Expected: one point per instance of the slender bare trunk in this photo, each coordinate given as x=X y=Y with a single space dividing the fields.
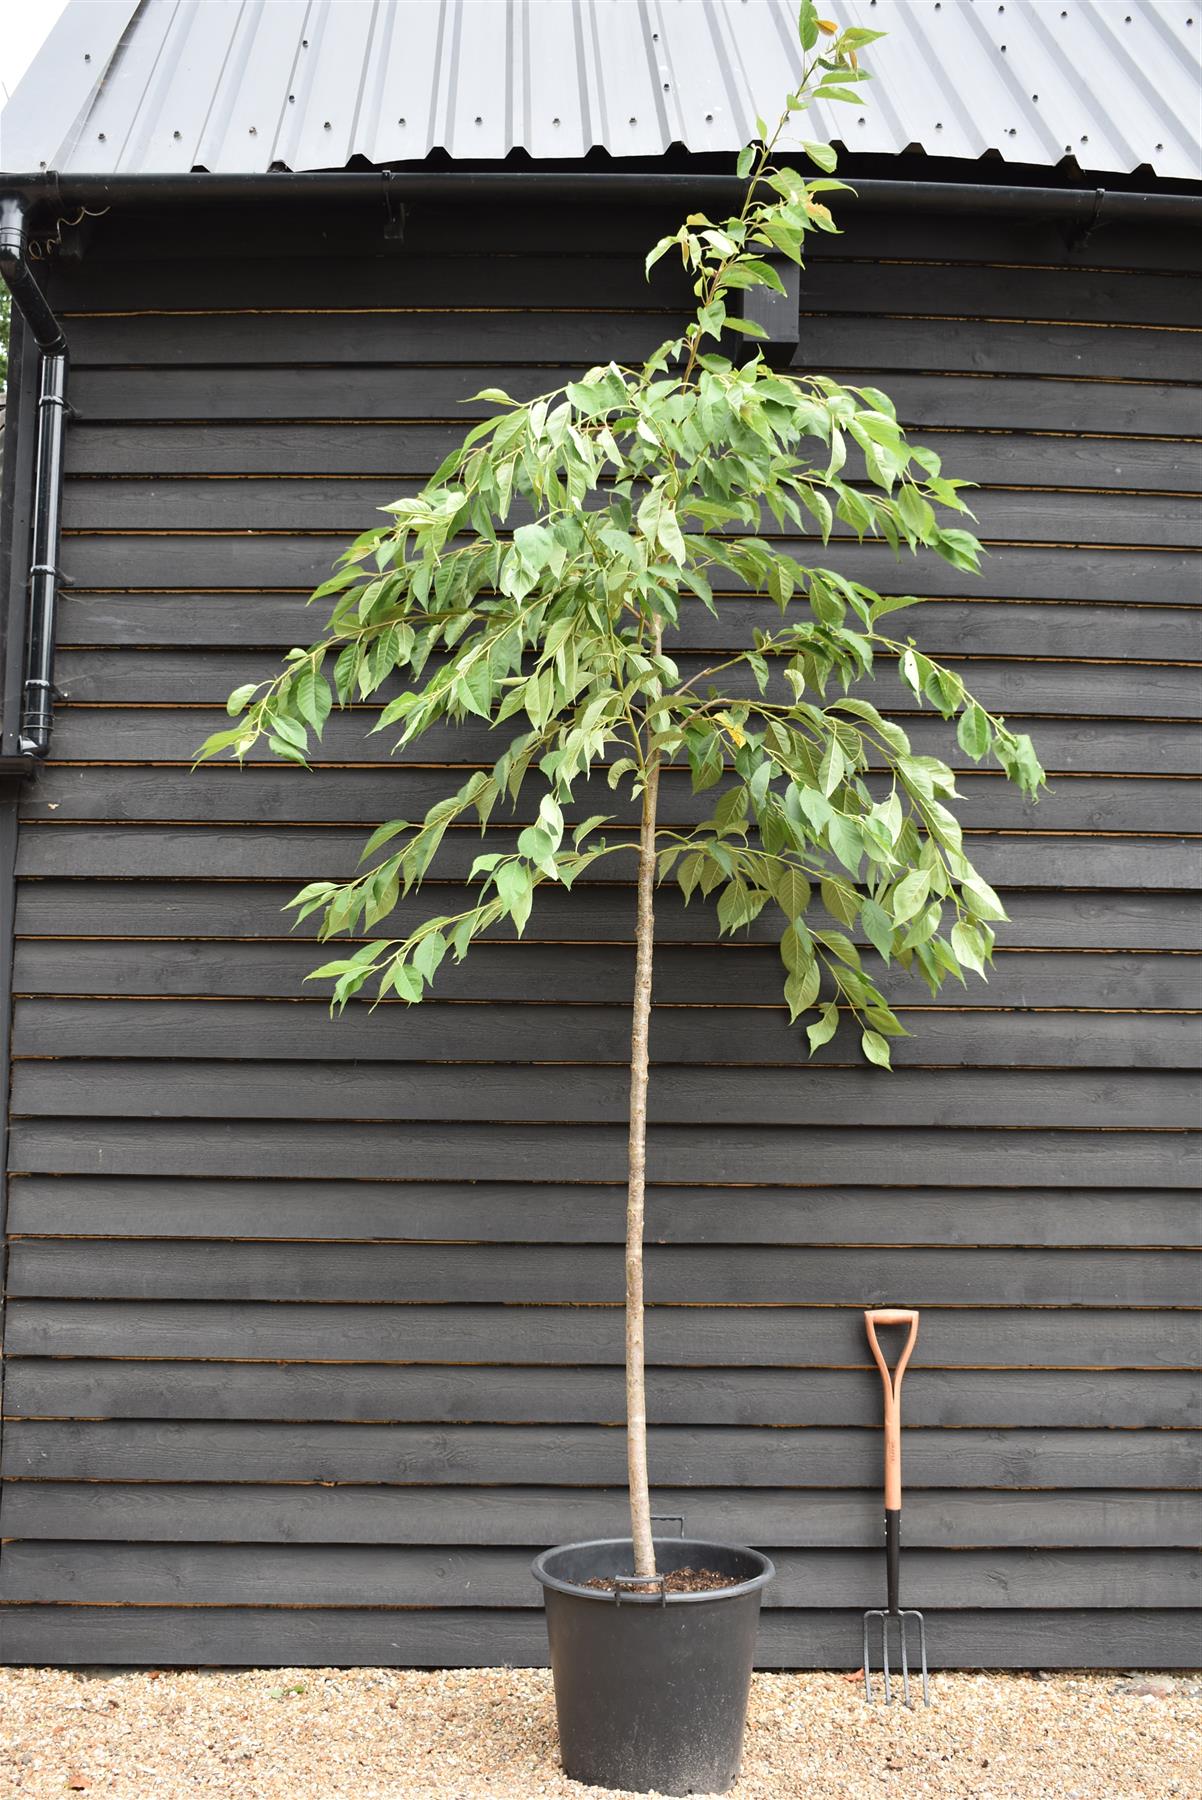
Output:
x=636 y=1389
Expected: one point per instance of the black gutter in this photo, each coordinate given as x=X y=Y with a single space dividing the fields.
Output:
x=37 y=698
x=1085 y=206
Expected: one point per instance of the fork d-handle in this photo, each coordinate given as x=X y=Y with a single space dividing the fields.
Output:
x=891 y=1381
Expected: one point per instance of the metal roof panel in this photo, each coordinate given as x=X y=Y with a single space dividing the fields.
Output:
x=242 y=86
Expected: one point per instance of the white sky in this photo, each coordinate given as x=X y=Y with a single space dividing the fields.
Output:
x=24 y=27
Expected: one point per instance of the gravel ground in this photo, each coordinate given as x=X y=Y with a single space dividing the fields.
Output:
x=489 y=1734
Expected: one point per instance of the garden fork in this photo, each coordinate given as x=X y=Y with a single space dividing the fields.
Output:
x=891 y=1610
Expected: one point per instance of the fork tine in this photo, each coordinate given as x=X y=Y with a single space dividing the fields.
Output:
x=922 y=1644
x=901 y=1632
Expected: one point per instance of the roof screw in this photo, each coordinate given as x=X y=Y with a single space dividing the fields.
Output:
x=253 y=130
x=709 y=118
x=87 y=56
x=100 y=136
x=1034 y=96
x=1085 y=137
x=667 y=85
x=176 y=135
x=292 y=99
x=633 y=121
x=555 y=121
x=479 y=120
x=401 y=121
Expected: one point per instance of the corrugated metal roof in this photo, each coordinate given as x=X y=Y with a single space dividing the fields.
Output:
x=242 y=86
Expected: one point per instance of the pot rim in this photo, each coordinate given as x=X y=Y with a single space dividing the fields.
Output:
x=547 y=1580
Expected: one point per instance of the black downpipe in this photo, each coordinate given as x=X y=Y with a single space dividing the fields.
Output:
x=37 y=701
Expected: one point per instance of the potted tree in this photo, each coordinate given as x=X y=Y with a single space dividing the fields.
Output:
x=538 y=578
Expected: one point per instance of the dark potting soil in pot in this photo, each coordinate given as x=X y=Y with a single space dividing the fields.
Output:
x=679 y=1581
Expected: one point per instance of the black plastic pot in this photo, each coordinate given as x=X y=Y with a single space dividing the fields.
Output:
x=650 y=1689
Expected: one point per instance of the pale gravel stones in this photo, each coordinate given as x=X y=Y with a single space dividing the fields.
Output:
x=489 y=1734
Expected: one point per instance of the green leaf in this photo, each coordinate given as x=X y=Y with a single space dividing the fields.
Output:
x=839 y=902
x=876 y=1049
x=796 y=951
x=831 y=769
x=515 y=886
x=312 y=696
x=406 y=981
x=982 y=899
x=825 y=1027
x=973 y=733
x=288 y=752
x=240 y=698
x=822 y=154
x=220 y=740
x=909 y=895
x=801 y=989
x=792 y=893
x=746 y=159
x=878 y=928
x=969 y=947
x=428 y=953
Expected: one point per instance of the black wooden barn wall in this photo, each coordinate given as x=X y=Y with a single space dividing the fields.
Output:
x=313 y=1327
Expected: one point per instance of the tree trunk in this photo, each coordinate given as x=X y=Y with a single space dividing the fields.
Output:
x=636 y=1390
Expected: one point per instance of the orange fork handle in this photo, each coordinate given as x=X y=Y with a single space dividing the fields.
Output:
x=891 y=1382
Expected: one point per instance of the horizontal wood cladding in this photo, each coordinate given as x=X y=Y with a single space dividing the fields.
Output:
x=380 y=1394
x=598 y=912
x=591 y=1274
x=343 y=508
x=1133 y=1099
x=550 y=278
x=472 y=1636
x=734 y=974
x=734 y=1037
x=314 y=1330
x=349 y=400
x=815 y=1518
x=112 y=454
x=687 y=1456
x=994 y=1336
x=129 y=625
x=365 y=796
x=370 y=1575
x=1097 y=683
x=247 y=561
x=488 y=337
x=613 y=226
x=545 y=1213
x=503 y=1152
x=257 y=849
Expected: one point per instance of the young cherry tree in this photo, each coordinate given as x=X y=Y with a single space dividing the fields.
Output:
x=534 y=582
